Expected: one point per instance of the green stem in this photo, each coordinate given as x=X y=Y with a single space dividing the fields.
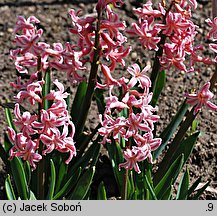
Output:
x=124 y=188
x=91 y=82
x=156 y=65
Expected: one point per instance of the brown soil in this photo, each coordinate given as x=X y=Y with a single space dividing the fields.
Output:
x=54 y=18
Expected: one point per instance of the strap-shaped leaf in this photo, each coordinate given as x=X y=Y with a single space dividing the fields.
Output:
x=7 y=144
x=9 y=189
x=32 y=196
x=52 y=181
x=27 y=170
x=20 y=178
x=183 y=186
x=68 y=185
x=101 y=193
x=167 y=194
x=150 y=188
x=83 y=185
x=3 y=155
x=46 y=88
x=200 y=191
x=62 y=171
x=9 y=119
x=194 y=186
x=170 y=129
x=116 y=157
x=100 y=100
x=78 y=100
x=185 y=148
x=147 y=194
x=170 y=176
x=158 y=87
x=130 y=186
x=91 y=154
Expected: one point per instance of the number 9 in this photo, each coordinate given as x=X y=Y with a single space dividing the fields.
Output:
x=210 y=206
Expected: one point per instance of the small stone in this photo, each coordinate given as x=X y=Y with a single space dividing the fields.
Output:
x=10 y=30
x=134 y=55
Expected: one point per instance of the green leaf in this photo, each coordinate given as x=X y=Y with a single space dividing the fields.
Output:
x=7 y=143
x=68 y=185
x=62 y=171
x=100 y=100
x=170 y=176
x=140 y=183
x=150 y=189
x=27 y=170
x=130 y=186
x=169 y=131
x=52 y=181
x=147 y=194
x=46 y=88
x=159 y=85
x=32 y=196
x=185 y=148
x=101 y=193
x=183 y=186
x=9 y=189
x=78 y=100
x=116 y=157
x=89 y=157
x=83 y=185
x=3 y=155
x=167 y=194
x=200 y=191
x=194 y=186
x=19 y=178
x=9 y=119
x=194 y=125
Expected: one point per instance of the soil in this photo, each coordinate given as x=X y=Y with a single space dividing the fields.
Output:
x=54 y=18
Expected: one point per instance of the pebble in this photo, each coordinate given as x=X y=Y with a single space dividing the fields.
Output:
x=134 y=56
x=10 y=30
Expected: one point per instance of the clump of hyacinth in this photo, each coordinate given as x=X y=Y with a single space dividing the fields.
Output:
x=137 y=127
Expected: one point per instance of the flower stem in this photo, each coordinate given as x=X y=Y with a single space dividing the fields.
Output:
x=92 y=80
x=124 y=188
x=156 y=66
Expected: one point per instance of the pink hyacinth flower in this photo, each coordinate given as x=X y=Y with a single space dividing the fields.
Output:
x=57 y=95
x=23 y=147
x=139 y=76
x=23 y=24
x=133 y=156
x=202 y=98
x=109 y=80
x=31 y=93
x=147 y=10
x=213 y=31
x=24 y=122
